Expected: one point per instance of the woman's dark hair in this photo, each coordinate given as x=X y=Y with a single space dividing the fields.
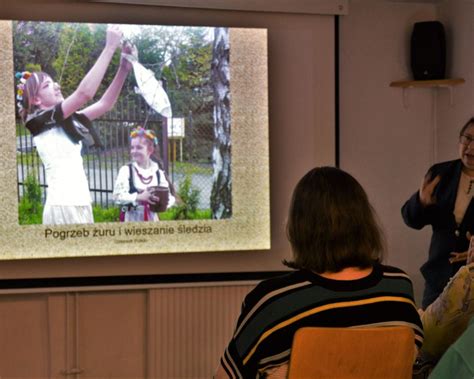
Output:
x=466 y=125
x=331 y=224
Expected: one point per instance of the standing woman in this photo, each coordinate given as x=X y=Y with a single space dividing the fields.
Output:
x=338 y=281
x=444 y=201
x=58 y=127
x=137 y=181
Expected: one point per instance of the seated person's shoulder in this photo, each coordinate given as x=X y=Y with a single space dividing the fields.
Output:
x=279 y=284
x=280 y=280
x=444 y=167
x=393 y=270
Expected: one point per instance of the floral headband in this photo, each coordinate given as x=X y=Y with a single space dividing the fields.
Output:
x=140 y=131
x=20 y=87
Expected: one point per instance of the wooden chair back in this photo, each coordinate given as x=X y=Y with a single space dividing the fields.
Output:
x=350 y=353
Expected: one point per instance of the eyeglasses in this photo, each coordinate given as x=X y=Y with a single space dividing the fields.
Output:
x=466 y=139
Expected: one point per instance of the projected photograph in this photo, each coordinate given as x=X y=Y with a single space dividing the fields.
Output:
x=149 y=141
x=122 y=139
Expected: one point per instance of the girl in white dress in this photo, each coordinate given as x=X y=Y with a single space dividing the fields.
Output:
x=58 y=127
x=135 y=187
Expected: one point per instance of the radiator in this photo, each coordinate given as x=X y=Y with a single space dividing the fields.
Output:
x=126 y=332
x=193 y=326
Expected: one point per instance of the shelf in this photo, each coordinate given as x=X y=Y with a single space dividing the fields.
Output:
x=427 y=83
x=440 y=83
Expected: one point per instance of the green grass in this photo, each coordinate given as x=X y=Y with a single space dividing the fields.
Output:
x=200 y=214
x=21 y=130
x=28 y=159
x=191 y=168
x=30 y=209
x=106 y=214
x=108 y=157
x=28 y=216
x=113 y=214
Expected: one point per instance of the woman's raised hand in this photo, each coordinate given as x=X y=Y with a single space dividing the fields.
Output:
x=129 y=54
x=427 y=188
x=114 y=36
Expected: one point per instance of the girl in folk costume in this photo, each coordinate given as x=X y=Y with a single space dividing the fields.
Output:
x=142 y=187
x=58 y=128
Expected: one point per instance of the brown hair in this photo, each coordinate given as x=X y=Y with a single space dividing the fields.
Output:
x=331 y=224
x=466 y=125
x=31 y=88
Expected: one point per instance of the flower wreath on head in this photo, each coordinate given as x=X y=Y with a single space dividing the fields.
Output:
x=140 y=131
x=20 y=87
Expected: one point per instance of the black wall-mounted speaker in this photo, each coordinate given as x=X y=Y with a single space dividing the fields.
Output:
x=428 y=51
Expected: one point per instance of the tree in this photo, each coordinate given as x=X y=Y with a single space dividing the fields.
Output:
x=79 y=46
x=221 y=195
x=66 y=51
x=181 y=56
x=35 y=44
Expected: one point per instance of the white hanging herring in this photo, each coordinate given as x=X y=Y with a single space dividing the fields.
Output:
x=150 y=88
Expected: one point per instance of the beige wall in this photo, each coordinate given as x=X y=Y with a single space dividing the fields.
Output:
x=388 y=139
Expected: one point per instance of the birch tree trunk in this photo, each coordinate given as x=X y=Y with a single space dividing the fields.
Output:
x=221 y=195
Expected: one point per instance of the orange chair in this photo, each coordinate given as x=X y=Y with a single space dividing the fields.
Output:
x=350 y=353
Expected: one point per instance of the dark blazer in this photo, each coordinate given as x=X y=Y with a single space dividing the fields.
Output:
x=447 y=235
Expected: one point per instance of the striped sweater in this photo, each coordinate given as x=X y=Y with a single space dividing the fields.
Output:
x=276 y=308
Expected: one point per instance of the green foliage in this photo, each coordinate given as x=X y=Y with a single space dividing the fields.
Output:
x=167 y=216
x=200 y=214
x=191 y=169
x=35 y=45
x=30 y=158
x=186 y=209
x=181 y=56
x=33 y=189
x=21 y=130
x=32 y=67
x=188 y=76
x=203 y=214
x=30 y=209
x=79 y=47
x=111 y=214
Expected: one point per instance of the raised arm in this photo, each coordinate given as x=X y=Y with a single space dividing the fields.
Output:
x=90 y=83
x=417 y=211
x=110 y=96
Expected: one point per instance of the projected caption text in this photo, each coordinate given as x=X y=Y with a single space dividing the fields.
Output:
x=124 y=231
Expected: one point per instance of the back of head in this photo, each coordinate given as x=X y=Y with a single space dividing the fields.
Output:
x=331 y=224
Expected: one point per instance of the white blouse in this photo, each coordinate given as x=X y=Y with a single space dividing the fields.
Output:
x=65 y=175
x=121 y=194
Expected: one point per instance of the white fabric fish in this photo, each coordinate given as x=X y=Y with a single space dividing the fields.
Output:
x=150 y=88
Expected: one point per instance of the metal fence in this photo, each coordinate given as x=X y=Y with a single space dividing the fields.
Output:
x=189 y=156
